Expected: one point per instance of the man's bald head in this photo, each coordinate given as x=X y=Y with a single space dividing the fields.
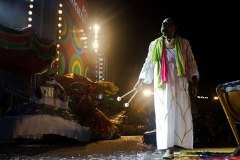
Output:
x=168 y=28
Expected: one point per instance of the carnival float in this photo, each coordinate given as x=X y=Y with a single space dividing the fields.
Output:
x=35 y=101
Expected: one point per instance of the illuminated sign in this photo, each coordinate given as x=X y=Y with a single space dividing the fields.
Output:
x=80 y=10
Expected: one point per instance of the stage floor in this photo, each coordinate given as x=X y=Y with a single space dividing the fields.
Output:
x=124 y=148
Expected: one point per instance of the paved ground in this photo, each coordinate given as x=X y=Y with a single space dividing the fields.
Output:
x=124 y=148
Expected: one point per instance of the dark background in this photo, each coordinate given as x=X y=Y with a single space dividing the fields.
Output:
x=128 y=27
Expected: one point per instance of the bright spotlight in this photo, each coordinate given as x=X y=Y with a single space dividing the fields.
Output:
x=83 y=38
x=96 y=28
x=147 y=92
x=215 y=97
x=95 y=44
x=60 y=11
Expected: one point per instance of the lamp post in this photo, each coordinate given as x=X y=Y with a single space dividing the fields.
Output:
x=100 y=62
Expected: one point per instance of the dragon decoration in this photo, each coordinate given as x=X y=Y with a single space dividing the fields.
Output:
x=22 y=52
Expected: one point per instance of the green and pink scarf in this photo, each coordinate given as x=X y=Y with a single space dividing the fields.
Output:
x=158 y=56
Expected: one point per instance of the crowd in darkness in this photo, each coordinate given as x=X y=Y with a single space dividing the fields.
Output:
x=211 y=128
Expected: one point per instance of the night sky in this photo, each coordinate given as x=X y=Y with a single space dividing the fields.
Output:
x=127 y=28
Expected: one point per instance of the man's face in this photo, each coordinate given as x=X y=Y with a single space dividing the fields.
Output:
x=168 y=28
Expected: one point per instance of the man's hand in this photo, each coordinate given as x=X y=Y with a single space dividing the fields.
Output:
x=193 y=87
x=139 y=83
x=193 y=90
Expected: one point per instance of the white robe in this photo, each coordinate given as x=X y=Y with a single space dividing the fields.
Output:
x=172 y=104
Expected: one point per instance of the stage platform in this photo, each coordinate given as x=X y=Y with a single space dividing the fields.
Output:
x=124 y=148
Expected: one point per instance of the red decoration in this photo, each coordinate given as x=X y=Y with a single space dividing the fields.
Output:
x=22 y=52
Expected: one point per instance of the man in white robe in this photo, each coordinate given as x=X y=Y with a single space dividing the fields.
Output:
x=174 y=125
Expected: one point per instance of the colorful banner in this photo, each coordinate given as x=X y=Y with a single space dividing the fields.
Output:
x=73 y=56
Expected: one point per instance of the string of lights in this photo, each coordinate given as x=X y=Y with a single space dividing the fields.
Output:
x=30 y=13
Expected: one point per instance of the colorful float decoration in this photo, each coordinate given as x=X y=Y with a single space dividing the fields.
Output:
x=22 y=52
